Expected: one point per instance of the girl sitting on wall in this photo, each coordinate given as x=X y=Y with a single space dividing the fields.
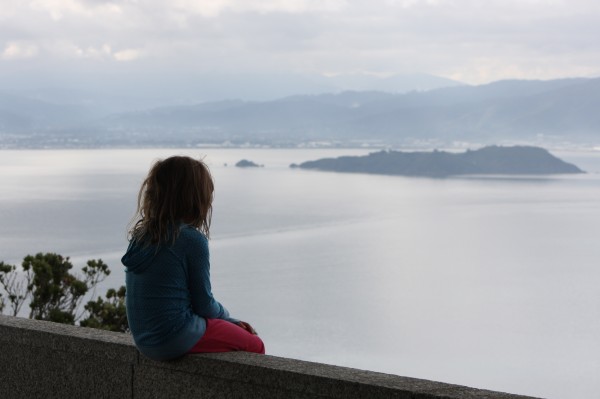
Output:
x=170 y=306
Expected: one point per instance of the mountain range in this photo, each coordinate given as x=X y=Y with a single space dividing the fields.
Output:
x=510 y=110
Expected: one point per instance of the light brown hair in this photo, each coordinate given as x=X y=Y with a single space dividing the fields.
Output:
x=177 y=190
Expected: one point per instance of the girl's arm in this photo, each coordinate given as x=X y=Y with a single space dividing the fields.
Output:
x=203 y=302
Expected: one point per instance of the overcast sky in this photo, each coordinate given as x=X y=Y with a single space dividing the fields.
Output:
x=474 y=41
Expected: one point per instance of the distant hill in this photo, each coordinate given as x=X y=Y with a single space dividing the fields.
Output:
x=489 y=113
x=504 y=111
x=518 y=160
x=501 y=110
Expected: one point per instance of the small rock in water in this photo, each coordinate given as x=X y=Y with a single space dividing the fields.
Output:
x=244 y=163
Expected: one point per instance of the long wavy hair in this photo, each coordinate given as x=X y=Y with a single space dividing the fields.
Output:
x=177 y=190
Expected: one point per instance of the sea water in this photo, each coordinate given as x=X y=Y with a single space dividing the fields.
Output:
x=490 y=282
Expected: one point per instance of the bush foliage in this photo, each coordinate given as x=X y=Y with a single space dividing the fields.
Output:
x=55 y=294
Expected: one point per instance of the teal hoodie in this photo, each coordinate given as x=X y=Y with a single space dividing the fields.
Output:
x=169 y=294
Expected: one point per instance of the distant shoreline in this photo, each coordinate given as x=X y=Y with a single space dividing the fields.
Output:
x=575 y=147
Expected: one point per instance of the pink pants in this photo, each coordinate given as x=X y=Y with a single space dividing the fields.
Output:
x=223 y=336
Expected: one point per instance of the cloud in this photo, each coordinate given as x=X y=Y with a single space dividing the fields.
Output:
x=15 y=51
x=475 y=39
x=216 y=7
x=59 y=9
x=127 y=55
x=413 y=3
x=97 y=53
x=104 y=52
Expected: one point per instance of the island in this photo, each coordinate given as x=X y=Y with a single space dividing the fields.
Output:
x=496 y=160
x=244 y=163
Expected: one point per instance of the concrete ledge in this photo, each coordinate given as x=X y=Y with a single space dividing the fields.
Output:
x=48 y=360
x=43 y=359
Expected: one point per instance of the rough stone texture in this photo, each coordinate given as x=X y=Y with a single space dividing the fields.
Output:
x=42 y=359
x=294 y=378
x=48 y=360
x=66 y=338
x=35 y=372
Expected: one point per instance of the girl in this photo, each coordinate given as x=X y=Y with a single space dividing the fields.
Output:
x=170 y=307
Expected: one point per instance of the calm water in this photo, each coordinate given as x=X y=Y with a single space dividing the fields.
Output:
x=487 y=282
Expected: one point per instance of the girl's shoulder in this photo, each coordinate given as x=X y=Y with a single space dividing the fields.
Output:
x=189 y=233
x=191 y=242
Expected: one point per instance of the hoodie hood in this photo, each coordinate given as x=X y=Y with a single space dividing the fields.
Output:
x=138 y=256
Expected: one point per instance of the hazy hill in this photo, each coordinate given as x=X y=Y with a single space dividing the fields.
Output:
x=519 y=160
x=513 y=110
x=107 y=109
x=18 y=113
x=507 y=109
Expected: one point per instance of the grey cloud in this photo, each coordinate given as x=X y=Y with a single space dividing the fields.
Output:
x=443 y=37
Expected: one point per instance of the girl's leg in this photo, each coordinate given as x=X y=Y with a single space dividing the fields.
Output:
x=223 y=336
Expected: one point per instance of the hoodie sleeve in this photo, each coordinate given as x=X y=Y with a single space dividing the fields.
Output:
x=203 y=302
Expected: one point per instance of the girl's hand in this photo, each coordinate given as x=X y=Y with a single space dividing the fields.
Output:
x=247 y=327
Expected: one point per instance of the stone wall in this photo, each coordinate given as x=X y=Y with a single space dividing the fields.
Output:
x=47 y=360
